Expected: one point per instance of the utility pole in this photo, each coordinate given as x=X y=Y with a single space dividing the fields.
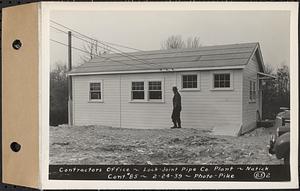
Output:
x=70 y=113
x=92 y=46
x=96 y=48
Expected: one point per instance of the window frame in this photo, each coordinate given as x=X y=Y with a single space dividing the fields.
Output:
x=101 y=92
x=252 y=91
x=146 y=91
x=161 y=90
x=187 y=74
x=222 y=88
x=131 y=91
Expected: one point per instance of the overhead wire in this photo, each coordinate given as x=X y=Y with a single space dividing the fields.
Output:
x=106 y=48
x=58 y=29
x=84 y=51
x=74 y=36
x=86 y=40
x=123 y=46
x=121 y=52
x=94 y=39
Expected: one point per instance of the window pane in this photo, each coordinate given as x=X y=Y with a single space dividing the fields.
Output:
x=184 y=78
x=95 y=86
x=253 y=90
x=155 y=95
x=194 y=78
x=227 y=84
x=95 y=95
x=227 y=76
x=188 y=78
x=222 y=84
x=250 y=90
x=194 y=84
x=184 y=85
x=189 y=81
x=216 y=84
x=155 y=85
x=222 y=77
x=217 y=77
x=221 y=80
x=137 y=94
x=137 y=85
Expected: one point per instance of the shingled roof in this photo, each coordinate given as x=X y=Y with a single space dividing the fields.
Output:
x=206 y=57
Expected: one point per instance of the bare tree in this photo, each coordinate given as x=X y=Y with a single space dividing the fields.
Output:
x=94 y=49
x=276 y=92
x=193 y=42
x=269 y=69
x=283 y=79
x=173 y=42
x=58 y=94
x=176 y=42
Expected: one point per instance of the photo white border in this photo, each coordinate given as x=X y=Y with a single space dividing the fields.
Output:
x=47 y=7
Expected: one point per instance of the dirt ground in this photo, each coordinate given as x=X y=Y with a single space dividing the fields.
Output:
x=105 y=145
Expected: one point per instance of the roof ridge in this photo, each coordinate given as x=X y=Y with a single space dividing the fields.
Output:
x=166 y=57
x=170 y=51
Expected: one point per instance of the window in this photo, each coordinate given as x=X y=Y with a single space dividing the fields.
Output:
x=137 y=91
x=222 y=80
x=147 y=91
x=189 y=81
x=155 y=91
x=95 y=91
x=252 y=91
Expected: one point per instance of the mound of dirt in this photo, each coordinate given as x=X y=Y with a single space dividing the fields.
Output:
x=106 y=145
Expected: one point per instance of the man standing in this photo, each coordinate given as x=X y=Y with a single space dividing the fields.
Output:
x=176 y=109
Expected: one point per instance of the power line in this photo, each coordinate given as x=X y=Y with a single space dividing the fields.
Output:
x=59 y=29
x=89 y=41
x=126 y=55
x=123 y=46
x=72 y=47
x=95 y=39
x=121 y=52
x=85 y=41
x=94 y=54
x=75 y=36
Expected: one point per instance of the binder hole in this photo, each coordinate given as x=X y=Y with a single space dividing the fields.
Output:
x=17 y=44
x=16 y=147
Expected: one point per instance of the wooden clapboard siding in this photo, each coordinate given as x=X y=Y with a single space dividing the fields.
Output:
x=147 y=115
x=201 y=109
x=250 y=108
x=90 y=113
x=209 y=108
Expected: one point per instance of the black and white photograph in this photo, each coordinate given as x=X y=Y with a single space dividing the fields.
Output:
x=180 y=87
x=169 y=87
x=150 y=95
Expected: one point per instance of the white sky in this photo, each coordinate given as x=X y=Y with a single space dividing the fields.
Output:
x=146 y=30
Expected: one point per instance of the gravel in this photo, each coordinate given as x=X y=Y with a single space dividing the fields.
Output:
x=113 y=146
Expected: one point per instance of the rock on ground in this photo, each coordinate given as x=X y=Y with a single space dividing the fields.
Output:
x=106 y=145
